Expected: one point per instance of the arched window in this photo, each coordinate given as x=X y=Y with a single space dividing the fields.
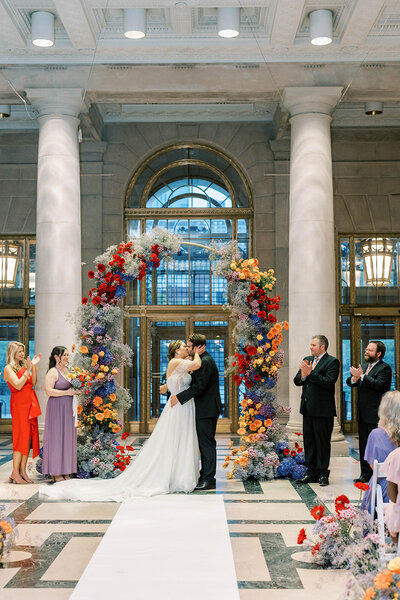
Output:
x=199 y=193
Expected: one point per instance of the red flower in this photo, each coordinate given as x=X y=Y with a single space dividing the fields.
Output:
x=237 y=379
x=315 y=549
x=248 y=383
x=317 y=512
x=130 y=448
x=251 y=350
x=96 y=300
x=257 y=377
x=124 y=435
x=293 y=453
x=286 y=451
x=299 y=450
x=361 y=486
x=271 y=319
x=302 y=536
x=121 y=449
x=341 y=502
x=84 y=300
x=262 y=314
x=101 y=267
x=252 y=287
x=297 y=433
x=90 y=274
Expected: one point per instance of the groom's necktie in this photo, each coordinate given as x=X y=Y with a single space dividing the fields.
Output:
x=368 y=369
x=315 y=362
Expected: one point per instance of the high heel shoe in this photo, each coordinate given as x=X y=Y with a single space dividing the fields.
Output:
x=11 y=480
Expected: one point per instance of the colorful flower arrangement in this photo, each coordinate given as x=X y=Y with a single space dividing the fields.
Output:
x=255 y=367
x=123 y=454
x=7 y=534
x=384 y=583
x=343 y=539
x=101 y=353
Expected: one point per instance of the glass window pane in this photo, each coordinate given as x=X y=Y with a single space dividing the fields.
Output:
x=8 y=333
x=134 y=371
x=32 y=272
x=162 y=334
x=346 y=364
x=384 y=330
x=134 y=229
x=345 y=270
x=377 y=270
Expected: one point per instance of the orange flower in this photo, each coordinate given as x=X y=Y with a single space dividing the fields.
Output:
x=230 y=445
x=79 y=409
x=116 y=428
x=6 y=526
x=243 y=462
x=101 y=353
x=285 y=325
x=257 y=423
x=369 y=594
x=229 y=475
x=241 y=431
x=97 y=401
x=394 y=565
x=83 y=349
x=253 y=427
x=383 y=579
x=100 y=376
x=99 y=416
x=267 y=423
x=113 y=397
x=73 y=348
x=235 y=451
x=107 y=413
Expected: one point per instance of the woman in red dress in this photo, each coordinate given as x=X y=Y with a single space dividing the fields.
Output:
x=21 y=375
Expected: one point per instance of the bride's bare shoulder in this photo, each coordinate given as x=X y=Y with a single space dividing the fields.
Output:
x=173 y=363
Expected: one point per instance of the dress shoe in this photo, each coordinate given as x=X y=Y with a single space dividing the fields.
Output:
x=308 y=478
x=361 y=479
x=323 y=480
x=205 y=485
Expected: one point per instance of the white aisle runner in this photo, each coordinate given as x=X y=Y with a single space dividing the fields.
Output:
x=174 y=547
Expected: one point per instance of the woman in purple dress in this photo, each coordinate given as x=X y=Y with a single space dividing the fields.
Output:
x=379 y=445
x=59 y=447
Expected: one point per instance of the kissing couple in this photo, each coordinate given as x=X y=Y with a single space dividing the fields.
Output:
x=169 y=460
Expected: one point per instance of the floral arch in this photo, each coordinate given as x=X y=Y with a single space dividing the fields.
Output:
x=101 y=353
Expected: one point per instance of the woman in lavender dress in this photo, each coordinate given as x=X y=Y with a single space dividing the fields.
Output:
x=59 y=447
x=379 y=444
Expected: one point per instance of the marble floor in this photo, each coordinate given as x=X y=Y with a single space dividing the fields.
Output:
x=56 y=540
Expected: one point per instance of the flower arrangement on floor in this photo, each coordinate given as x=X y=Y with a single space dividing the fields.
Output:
x=7 y=533
x=345 y=539
x=102 y=353
x=255 y=367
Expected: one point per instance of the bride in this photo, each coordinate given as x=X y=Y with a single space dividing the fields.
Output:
x=169 y=460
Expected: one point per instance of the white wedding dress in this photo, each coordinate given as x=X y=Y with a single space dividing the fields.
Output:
x=168 y=462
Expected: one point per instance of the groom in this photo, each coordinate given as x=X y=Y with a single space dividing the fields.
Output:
x=205 y=391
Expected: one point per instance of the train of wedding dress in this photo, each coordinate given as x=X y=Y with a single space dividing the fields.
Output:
x=167 y=463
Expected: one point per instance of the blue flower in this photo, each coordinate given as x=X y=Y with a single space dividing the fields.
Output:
x=120 y=292
x=286 y=467
x=299 y=471
x=98 y=330
x=300 y=458
x=281 y=446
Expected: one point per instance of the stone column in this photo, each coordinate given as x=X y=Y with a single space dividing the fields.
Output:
x=58 y=223
x=312 y=281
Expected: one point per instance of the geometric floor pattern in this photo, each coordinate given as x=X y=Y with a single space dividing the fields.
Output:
x=57 y=539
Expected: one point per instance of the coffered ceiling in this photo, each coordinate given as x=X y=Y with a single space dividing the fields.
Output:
x=183 y=70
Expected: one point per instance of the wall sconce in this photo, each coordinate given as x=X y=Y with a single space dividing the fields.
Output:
x=10 y=255
x=377 y=255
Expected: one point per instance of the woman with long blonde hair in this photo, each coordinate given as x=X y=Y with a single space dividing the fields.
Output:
x=20 y=375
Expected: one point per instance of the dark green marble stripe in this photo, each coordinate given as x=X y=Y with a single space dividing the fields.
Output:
x=32 y=569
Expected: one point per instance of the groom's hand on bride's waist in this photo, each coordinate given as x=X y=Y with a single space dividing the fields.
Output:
x=174 y=400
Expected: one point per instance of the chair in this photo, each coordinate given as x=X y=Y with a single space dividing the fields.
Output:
x=376 y=493
x=375 y=475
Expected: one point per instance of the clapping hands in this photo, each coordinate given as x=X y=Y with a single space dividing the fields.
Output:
x=305 y=368
x=356 y=372
x=36 y=359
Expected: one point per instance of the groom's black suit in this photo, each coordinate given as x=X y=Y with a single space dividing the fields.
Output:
x=204 y=388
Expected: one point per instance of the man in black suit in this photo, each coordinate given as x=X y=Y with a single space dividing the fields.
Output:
x=317 y=375
x=204 y=388
x=372 y=380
